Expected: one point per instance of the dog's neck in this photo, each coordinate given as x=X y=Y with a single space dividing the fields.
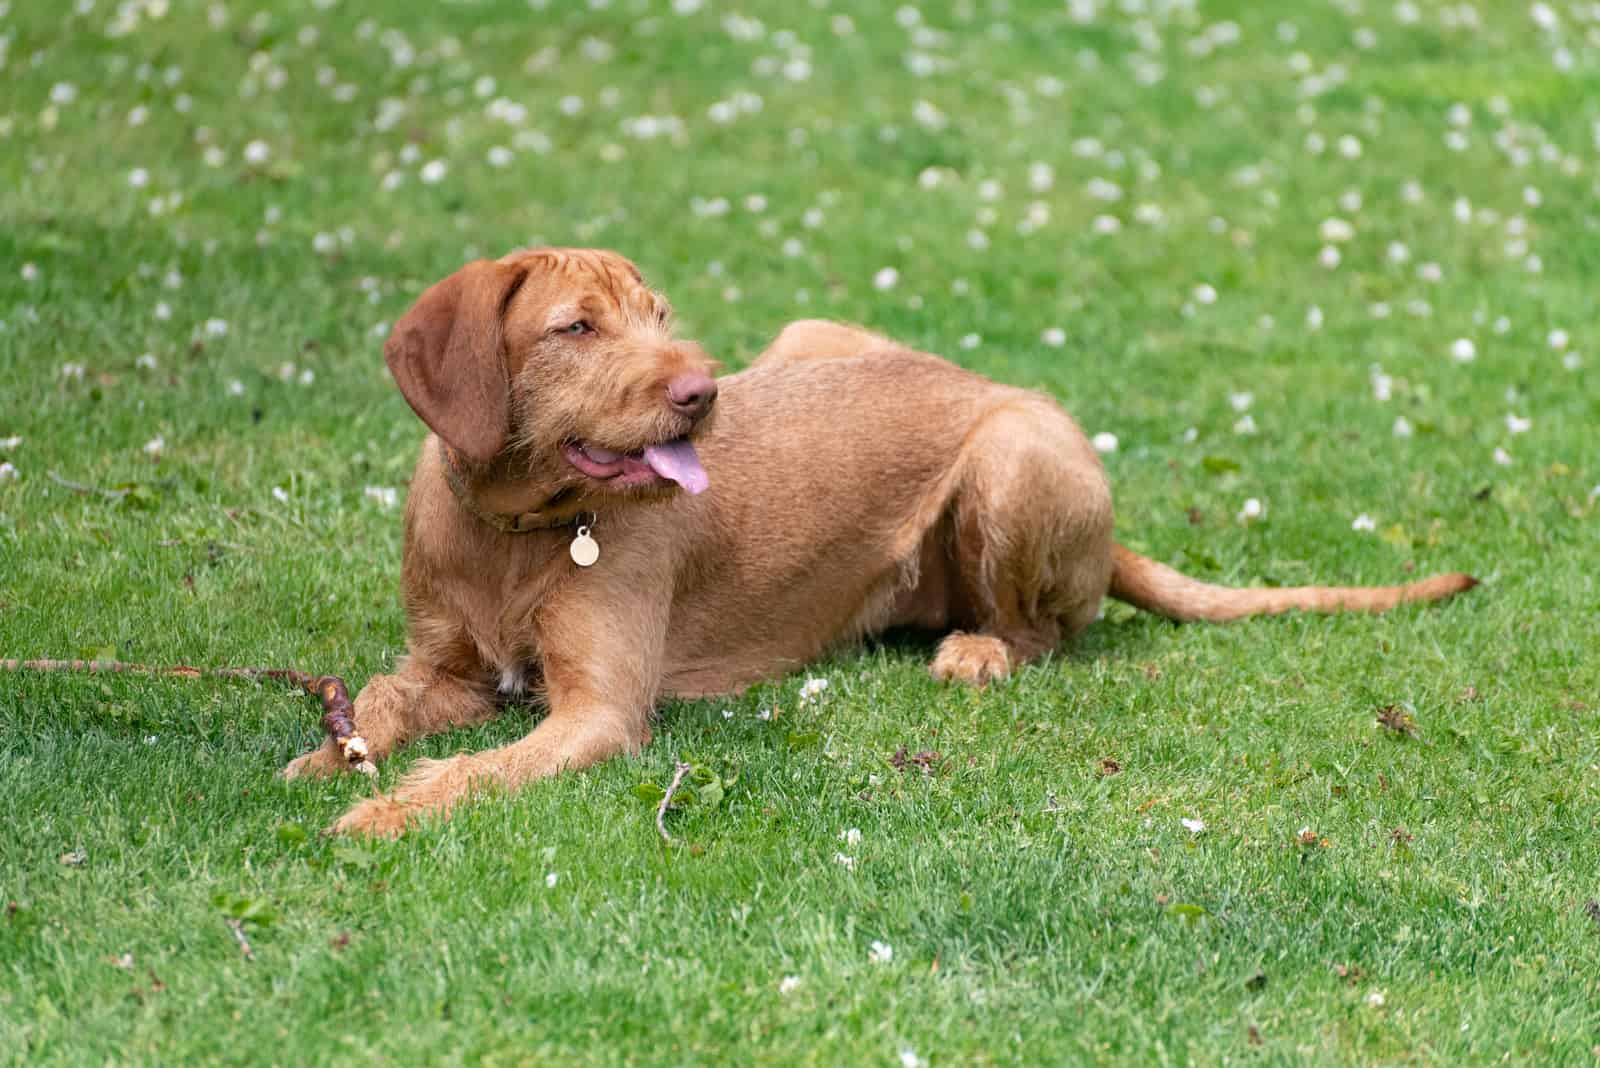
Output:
x=507 y=504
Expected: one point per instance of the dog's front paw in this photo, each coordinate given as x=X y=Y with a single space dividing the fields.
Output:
x=376 y=817
x=972 y=658
x=321 y=762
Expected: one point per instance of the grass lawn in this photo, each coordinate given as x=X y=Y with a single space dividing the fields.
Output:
x=1337 y=258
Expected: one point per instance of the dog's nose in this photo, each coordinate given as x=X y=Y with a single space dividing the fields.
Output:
x=692 y=393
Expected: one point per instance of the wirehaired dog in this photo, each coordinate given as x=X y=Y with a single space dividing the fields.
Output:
x=596 y=517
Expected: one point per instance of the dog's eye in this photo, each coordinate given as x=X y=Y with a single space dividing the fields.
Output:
x=580 y=327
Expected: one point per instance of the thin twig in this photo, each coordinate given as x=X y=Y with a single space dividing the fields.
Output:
x=244 y=943
x=338 y=718
x=79 y=487
x=661 y=813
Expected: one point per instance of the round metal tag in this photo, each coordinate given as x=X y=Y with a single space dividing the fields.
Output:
x=584 y=550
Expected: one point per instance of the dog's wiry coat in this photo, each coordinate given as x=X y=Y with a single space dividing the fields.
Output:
x=855 y=485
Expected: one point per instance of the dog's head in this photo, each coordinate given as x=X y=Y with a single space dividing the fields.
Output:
x=563 y=359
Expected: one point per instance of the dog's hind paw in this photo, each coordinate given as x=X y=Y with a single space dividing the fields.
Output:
x=972 y=658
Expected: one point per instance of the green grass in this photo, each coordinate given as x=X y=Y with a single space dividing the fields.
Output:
x=1039 y=909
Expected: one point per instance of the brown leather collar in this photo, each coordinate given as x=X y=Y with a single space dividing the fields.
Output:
x=521 y=523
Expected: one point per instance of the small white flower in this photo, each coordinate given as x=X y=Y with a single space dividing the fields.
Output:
x=256 y=153
x=1252 y=510
x=1502 y=458
x=1402 y=427
x=1376 y=999
x=847 y=862
x=909 y=1059
x=216 y=327
x=11 y=442
x=280 y=495
x=850 y=836
x=499 y=156
x=1463 y=350
x=813 y=689
x=1516 y=424
x=1193 y=826
x=1205 y=294
x=63 y=93
x=1363 y=522
x=1314 y=318
x=885 y=279
x=788 y=984
x=764 y=715
x=1571 y=361
x=8 y=471
x=1246 y=425
x=154 y=446
x=1350 y=146
x=433 y=171
x=1054 y=336
x=30 y=272
x=73 y=371
x=1430 y=271
x=1105 y=441
x=970 y=341
x=307 y=377
x=1558 y=339
x=1329 y=257
x=550 y=879
x=1398 y=252
x=881 y=952
x=386 y=496
x=1382 y=385
x=1242 y=400
x=235 y=388
x=1336 y=230
x=138 y=178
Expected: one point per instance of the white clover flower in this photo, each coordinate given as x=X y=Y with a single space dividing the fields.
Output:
x=1193 y=826
x=30 y=272
x=1053 y=336
x=8 y=471
x=880 y=952
x=235 y=388
x=433 y=171
x=1246 y=425
x=1314 y=318
x=850 y=836
x=1557 y=339
x=909 y=1059
x=845 y=861
x=551 y=879
x=970 y=341
x=1205 y=294
x=386 y=496
x=257 y=153
x=1252 y=509
x=154 y=446
x=1376 y=999
x=813 y=688
x=1402 y=427
x=1336 y=229
x=138 y=178
x=1463 y=350
x=789 y=983
x=146 y=362
x=11 y=442
x=1329 y=257
x=280 y=494
x=1516 y=424
x=1363 y=522
x=1105 y=441
x=1502 y=458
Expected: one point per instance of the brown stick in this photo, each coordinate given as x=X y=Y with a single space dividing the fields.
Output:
x=338 y=714
x=672 y=788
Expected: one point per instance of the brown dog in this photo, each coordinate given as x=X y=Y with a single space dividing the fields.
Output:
x=850 y=484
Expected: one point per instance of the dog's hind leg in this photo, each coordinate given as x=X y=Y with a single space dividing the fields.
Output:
x=1030 y=542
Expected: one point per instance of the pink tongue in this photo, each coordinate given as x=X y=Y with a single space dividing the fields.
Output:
x=677 y=460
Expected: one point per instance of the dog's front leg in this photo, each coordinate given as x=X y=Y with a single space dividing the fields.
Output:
x=601 y=677
x=393 y=709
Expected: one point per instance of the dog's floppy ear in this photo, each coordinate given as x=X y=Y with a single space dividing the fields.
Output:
x=447 y=355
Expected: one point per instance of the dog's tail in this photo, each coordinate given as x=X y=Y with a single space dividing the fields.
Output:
x=1154 y=587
